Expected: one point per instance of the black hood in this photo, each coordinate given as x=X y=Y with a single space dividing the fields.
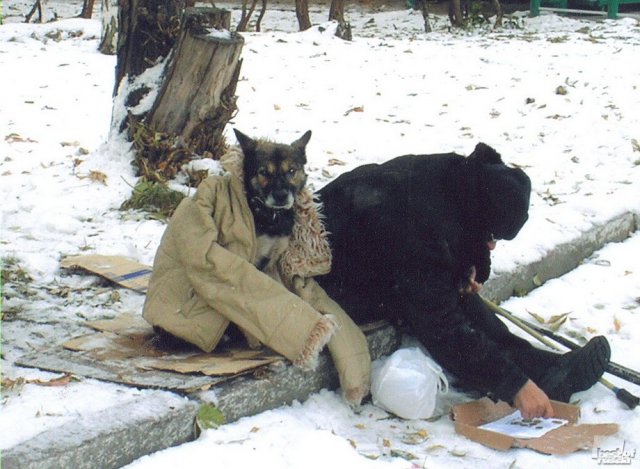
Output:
x=504 y=197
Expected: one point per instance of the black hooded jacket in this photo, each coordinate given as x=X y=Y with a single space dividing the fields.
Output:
x=405 y=235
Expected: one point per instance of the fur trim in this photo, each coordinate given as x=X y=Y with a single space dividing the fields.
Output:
x=319 y=337
x=308 y=253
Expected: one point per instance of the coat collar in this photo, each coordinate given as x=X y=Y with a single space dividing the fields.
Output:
x=308 y=253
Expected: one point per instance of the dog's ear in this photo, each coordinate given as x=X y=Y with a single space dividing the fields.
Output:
x=301 y=143
x=247 y=144
x=485 y=154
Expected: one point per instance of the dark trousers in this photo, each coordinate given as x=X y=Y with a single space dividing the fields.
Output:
x=502 y=346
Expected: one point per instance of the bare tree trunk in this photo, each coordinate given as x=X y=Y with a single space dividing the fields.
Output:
x=87 y=9
x=109 y=35
x=455 y=14
x=302 y=13
x=499 y=13
x=424 y=8
x=246 y=16
x=336 y=13
x=40 y=8
x=261 y=16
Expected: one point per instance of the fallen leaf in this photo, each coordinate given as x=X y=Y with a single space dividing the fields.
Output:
x=97 y=176
x=554 y=326
x=433 y=448
x=415 y=438
x=558 y=317
x=352 y=443
x=276 y=107
x=537 y=317
x=556 y=321
x=16 y=138
x=354 y=109
x=537 y=281
x=326 y=173
x=458 y=453
x=94 y=176
x=60 y=381
x=208 y=417
x=386 y=443
x=9 y=384
x=336 y=162
x=255 y=429
x=398 y=453
x=617 y=325
x=360 y=426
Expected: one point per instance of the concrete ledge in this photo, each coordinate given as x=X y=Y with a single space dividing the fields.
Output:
x=242 y=397
x=560 y=260
x=140 y=427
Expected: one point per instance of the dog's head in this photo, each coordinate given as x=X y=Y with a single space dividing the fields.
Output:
x=274 y=172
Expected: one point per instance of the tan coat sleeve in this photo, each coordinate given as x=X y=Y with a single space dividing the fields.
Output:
x=231 y=285
x=348 y=346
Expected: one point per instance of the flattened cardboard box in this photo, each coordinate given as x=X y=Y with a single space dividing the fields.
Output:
x=121 y=270
x=564 y=440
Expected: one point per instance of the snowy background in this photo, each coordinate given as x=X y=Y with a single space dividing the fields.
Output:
x=558 y=97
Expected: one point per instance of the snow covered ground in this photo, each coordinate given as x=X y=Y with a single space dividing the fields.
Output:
x=559 y=97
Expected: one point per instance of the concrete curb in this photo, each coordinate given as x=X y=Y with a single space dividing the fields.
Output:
x=140 y=428
x=561 y=259
x=168 y=419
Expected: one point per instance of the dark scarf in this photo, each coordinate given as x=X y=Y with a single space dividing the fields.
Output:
x=271 y=221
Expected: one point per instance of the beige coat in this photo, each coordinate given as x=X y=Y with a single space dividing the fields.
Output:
x=204 y=277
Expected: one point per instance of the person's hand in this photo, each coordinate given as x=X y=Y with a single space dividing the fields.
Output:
x=472 y=287
x=532 y=401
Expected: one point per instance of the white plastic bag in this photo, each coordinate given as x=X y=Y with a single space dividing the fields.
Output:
x=407 y=384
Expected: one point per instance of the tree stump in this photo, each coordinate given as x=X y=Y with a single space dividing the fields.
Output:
x=197 y=98
x=198 y=59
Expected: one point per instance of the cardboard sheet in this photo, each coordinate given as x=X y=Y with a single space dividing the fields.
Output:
x=121 y=270
x=123 y=350
x=469 y=417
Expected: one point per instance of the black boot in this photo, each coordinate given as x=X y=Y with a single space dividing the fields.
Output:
x=577 y=370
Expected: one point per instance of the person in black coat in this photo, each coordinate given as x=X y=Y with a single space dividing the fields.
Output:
x=411 y=242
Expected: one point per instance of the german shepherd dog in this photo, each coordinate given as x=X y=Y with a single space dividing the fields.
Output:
x=273 y=177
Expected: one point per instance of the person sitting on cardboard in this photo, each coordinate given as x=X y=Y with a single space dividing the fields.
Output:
x=411 y=241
